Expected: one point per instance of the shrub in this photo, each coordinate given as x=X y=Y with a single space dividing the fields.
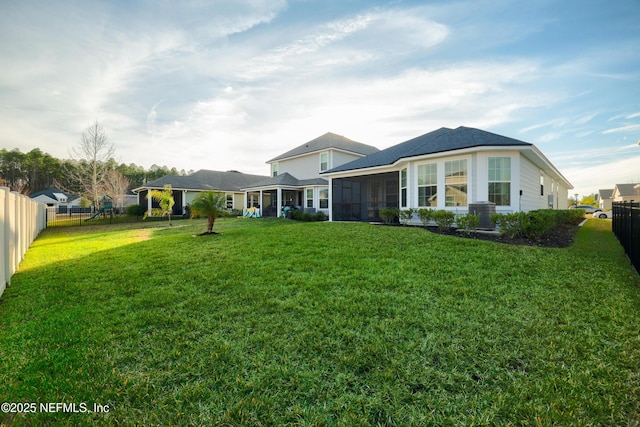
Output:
x=510 y=225
x=426 y=215
x=467 y=222
x=135 y=210
x=389 y=215
x=299 y=215
x=574 y=216
x=406 y=216
x=444 y=219
x=535 y=225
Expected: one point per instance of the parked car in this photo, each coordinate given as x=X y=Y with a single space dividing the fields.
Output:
x=587 y=209
x=602 y=214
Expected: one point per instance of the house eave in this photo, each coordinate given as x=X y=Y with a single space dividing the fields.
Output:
x=529 y=151
x=146 y=187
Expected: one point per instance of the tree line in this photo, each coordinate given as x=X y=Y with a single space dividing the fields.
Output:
x=91 y=170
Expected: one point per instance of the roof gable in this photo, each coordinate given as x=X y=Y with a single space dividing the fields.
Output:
x=627 y=190
x=325 y=142
x=605 y=193
x=438 y=141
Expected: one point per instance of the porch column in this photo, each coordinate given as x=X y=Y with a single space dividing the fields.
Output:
x=149 y=203
x=184 y=201
x=279 y=202
x=261 y=202
x=330 y=200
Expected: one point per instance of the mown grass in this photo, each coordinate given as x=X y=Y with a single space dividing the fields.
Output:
x=274 y=322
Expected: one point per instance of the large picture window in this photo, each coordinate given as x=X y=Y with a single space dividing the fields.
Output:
x=455 y=181
x=500 y=180
x=428 y=185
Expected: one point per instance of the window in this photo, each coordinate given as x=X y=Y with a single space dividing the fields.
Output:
x=274 y=169
x=309 y=197
x=541 y=183
x=427 y=185
x=229 y=201
x=324 y=161
x=324 y=198
x=403 y=187
x=455 y=183
x=500 y=180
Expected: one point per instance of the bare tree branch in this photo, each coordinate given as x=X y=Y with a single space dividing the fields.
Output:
x=91 y=156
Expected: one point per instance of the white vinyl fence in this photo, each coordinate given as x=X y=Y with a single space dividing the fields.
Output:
x=21 y=220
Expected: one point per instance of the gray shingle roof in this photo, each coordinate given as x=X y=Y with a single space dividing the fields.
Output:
x=49 y=192
x=628 y=190
x=438 y=141
x=605 y=193
x=325 y=142
x=207 y=180
x=287 y=180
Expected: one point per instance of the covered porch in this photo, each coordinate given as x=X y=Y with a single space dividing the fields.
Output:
x=273 y=195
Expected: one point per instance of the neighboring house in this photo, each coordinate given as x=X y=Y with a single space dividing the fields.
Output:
x=605 y=197
x=187 y=188
x=447 y=169
x=295 y=175
x=123 y=200
x=626 y=193
x=54 y=197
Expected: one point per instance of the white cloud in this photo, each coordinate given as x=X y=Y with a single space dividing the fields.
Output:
x=603 y=175
x=621 y=129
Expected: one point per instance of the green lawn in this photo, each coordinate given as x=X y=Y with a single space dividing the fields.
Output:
x=274 y=322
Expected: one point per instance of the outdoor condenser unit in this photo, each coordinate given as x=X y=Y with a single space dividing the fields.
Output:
x=484 y=210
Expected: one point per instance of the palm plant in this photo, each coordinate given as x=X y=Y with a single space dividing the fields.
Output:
x=210 y=204
x=165 y=201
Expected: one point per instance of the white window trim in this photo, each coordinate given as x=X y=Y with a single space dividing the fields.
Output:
x=440 y=181
x=406 y=187
x=510 y=181
x=328 y=161
x=313 y=197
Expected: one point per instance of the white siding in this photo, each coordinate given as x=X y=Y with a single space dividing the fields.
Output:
x=530 y=185
x=308 y=166
x=303 y=167
x=338 y=158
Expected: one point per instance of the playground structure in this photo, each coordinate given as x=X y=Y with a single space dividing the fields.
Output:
x=106 y=207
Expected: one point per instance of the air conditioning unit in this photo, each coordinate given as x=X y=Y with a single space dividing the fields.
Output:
x=484 y=210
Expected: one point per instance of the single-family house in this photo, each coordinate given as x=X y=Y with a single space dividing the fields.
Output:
x=186 y=188
x=56 y=198
x=605 y=197
x=626 y=192
x=447 y=169
x=296 y=179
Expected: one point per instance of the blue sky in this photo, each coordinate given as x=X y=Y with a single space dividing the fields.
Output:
x=228 y=85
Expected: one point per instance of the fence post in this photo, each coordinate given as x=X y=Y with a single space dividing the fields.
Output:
x=3 y=254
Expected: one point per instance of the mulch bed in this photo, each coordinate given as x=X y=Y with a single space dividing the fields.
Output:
x=560 y=237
